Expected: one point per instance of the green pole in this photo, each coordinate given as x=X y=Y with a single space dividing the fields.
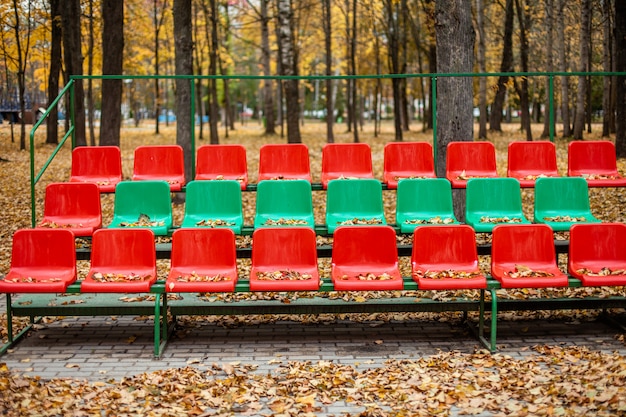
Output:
x=433 y=83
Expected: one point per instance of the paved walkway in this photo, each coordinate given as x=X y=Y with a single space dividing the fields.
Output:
x=102 y=348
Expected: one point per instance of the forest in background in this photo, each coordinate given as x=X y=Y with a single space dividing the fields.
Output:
x=43 y=42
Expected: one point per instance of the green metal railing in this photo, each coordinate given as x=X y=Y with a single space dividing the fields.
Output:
x=433 y=79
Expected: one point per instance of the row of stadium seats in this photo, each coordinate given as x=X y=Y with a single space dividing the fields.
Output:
x=559 y=202
x=285 y=259
x=527 y=161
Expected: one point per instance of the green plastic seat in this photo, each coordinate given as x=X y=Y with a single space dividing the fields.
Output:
x=213 y=204
x=354 y=202
x=493 y=201
x=423 y=202
x=143 y=204
x=562 y=202
x=284 y=203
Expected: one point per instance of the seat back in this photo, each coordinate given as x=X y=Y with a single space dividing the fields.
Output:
x=284 y=203
x=72 y=205
x=591 y=157
x=42 y=260
x=204 y=252
x=346 y=160
x=213 y=204
x=360 y=250
x=528 y=160
x=284 y=161
x=226 y=162
x=407 y=160
x=465 y=160
x=438 y=248
x=101 y=165
x=597 y=246
x=564 y=197
x=160 y=162
x=358 y=199
x=495 y=198
x=284 y=249
x=143 y=204
x=527 y=245
x=426 y=200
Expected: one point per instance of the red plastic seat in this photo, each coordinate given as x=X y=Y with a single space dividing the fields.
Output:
x=465 y=160
x=365 y=251
x=595 y=247
x=225 y=162
x=407 y=160
x=42 y=261
x=346 y=160
x=284 y=249
x=122 y=260
x=515 y=247
x=160 y=162
x=101 y=165
x=284 y=161
x=74 y=206
x=203 y=260
x=446 y=248
x=529 y=160
x=596 y=161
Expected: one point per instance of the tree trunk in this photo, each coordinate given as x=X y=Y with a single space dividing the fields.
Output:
x=183 y=45
x=506 y=65
x=52 y=123
x=330 y=110
x=579 y=119
x=73 y=57
x=455 y=54
x=213 y=105
x=90 y=100
x=22 y=60
x=393 y=39
x=157 y=21
x=619 y=30
x=354 y=101
x=607 y=63
x=289 y=66
x=560 y=23
x=523 y=18
x=482 y=67
x=112 y=49
x=549 y=8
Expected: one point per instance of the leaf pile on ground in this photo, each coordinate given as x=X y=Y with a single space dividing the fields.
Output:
x=555 y=381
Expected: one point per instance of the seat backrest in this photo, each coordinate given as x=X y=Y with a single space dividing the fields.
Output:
x=226 y=162
x=406 y=160
x=497 y=197
x=596 y=246
x=475 y=158
x=531 y=245
x=210 y=201
x=438 y=248
x=591 y=157
x=366 y=247
x=561 y=196
x=204 y=249
x=531 y=158
x=72 y=201
x=160 y=162
x=287 y=200
x=123 y=250
x=99 y=164
x=353 y=199
x=423 y=199
x=284 y=248
x=284 y=161
x=148 y=198
x=346 y=160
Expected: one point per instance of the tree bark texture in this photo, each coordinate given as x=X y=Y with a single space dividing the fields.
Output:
x=330 y=109
x=112 y=50
x=560 y=24
x=183 y=46
x=579 y=119
x=549 y=21
x=619 y=30
x=506 y=65
x=268 y=85
x=52 y=122
x=482 y=67
x=289 y=67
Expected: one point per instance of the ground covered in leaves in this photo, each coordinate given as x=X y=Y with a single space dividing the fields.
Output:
x=550 y=381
